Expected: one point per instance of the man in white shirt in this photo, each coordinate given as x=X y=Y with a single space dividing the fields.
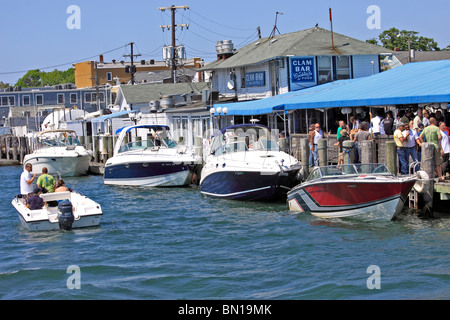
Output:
x=445 y=148
x=375 y=122
x=411 y=144
x=26 y=180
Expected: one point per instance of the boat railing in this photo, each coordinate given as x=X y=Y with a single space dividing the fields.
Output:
x=146 y=144
x=349 y=170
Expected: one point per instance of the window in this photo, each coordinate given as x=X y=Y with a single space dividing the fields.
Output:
x=26 y=100
x=4 y=101
x=39 y=99
x=60 y=98
x=92 y=97
x=8 y=101
x=109 y=76
x=325 y=69
x=342 y=67
x=73 y=98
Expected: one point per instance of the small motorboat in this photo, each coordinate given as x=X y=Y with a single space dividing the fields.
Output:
x=154 y=161
x=245 y=163
x=73 y=210
x=367 y=191
x=60 y=152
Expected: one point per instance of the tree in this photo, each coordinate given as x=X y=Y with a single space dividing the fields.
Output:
x=37 y=78
x=394 y=38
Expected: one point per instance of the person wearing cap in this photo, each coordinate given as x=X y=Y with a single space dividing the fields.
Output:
x=400 y=139
x=342 y=138
x=35 y=202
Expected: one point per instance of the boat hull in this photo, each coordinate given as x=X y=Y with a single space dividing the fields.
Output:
x=248 y=185
x=66 y=166
x=351 y=198
x=148 y=174
x=86 y=212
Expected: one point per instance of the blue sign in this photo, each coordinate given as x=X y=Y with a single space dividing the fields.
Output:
x=255 y=79
x=302 y=70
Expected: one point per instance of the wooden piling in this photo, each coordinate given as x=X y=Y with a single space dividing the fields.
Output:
x=304 y=154
x=368 y=151
x=322 y=146
x=427 y=165
x=391 y=157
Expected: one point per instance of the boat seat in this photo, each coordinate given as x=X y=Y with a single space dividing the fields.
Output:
x=55 y=196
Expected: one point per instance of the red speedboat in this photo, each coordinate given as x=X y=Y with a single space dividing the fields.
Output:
x=368 y=191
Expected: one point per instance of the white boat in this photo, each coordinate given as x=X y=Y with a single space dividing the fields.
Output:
x=245 y=163
x=60 y=152
x=365 y=191
x=73 y=211
x=154 y=161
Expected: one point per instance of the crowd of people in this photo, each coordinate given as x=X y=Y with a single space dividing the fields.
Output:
x=409 y=131
x=45 y=183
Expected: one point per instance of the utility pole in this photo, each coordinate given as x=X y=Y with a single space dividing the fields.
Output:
x=97 y=93
x=173 y=9
x=132 y=55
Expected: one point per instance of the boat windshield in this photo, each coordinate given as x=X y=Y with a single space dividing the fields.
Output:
x=59 y=140
x=154 y=139
x=244 y=139
x=349 y=169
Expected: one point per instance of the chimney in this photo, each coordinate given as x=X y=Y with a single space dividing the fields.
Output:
x=101 y=58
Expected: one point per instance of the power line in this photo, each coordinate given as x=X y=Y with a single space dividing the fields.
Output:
x=63 y=64
x=222 y=25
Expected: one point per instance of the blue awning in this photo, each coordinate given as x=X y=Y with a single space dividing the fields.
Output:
x=414 y=83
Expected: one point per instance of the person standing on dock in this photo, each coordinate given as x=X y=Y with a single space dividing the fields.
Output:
x=400 y=140
x=433 y=135
x=315 y=137
x=445 y=144
x=411 y=145
x=26 y=180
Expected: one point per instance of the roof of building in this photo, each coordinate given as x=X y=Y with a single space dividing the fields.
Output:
x=414 y=83
x=309 y=42
x=144 y=93
x=421 y=56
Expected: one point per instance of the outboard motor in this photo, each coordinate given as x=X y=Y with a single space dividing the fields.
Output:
x=65 y=215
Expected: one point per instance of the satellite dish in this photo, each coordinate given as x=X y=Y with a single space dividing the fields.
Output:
x=231 y=85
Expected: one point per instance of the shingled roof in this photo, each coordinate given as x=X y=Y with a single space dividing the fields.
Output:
x=309 y=42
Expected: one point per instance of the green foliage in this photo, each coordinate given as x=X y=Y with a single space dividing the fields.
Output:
x=37 y=78
x=394 y=38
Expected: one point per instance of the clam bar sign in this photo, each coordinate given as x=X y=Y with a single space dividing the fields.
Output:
x=302 y=69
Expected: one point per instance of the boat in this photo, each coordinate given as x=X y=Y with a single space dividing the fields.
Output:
x=154 y=161
x=244 y=162
x=61 y=152
x=367 y=191
x=73 y=211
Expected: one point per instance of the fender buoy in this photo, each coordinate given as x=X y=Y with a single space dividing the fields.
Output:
x=422 y=181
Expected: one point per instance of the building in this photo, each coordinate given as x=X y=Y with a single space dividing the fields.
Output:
x=291 y=62
x=400 y=58
x=88 y=73
x=59 y=96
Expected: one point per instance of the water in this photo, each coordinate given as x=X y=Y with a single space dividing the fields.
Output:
x=178 y=244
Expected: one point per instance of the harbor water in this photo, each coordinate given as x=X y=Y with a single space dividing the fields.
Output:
x=170 y=244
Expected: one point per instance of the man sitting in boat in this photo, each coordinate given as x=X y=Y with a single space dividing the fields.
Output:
x=46 y=181
x=35 y=202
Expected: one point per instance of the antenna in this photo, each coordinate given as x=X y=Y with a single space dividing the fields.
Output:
x=275 y=28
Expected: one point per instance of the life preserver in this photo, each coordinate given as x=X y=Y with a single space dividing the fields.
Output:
x=422 y=182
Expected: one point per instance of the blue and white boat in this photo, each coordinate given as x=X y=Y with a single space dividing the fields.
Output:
x=154 y=161
x=245 y=163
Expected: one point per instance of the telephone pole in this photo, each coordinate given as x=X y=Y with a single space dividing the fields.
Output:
x=132 y=55
x=173 y=9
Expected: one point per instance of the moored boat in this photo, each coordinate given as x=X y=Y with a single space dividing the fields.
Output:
x=60 y=152
x=244 y=162
x=154 y=161
x=367 y=191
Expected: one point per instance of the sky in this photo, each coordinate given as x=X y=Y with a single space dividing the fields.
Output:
x=41 y=34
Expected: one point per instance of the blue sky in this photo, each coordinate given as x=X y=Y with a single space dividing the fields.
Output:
x=34 y=34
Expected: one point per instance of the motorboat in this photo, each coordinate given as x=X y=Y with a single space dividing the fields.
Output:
x=244 y=162
x=60 y=151
x=72 y=210
x=367 y=191
x=155 y=160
